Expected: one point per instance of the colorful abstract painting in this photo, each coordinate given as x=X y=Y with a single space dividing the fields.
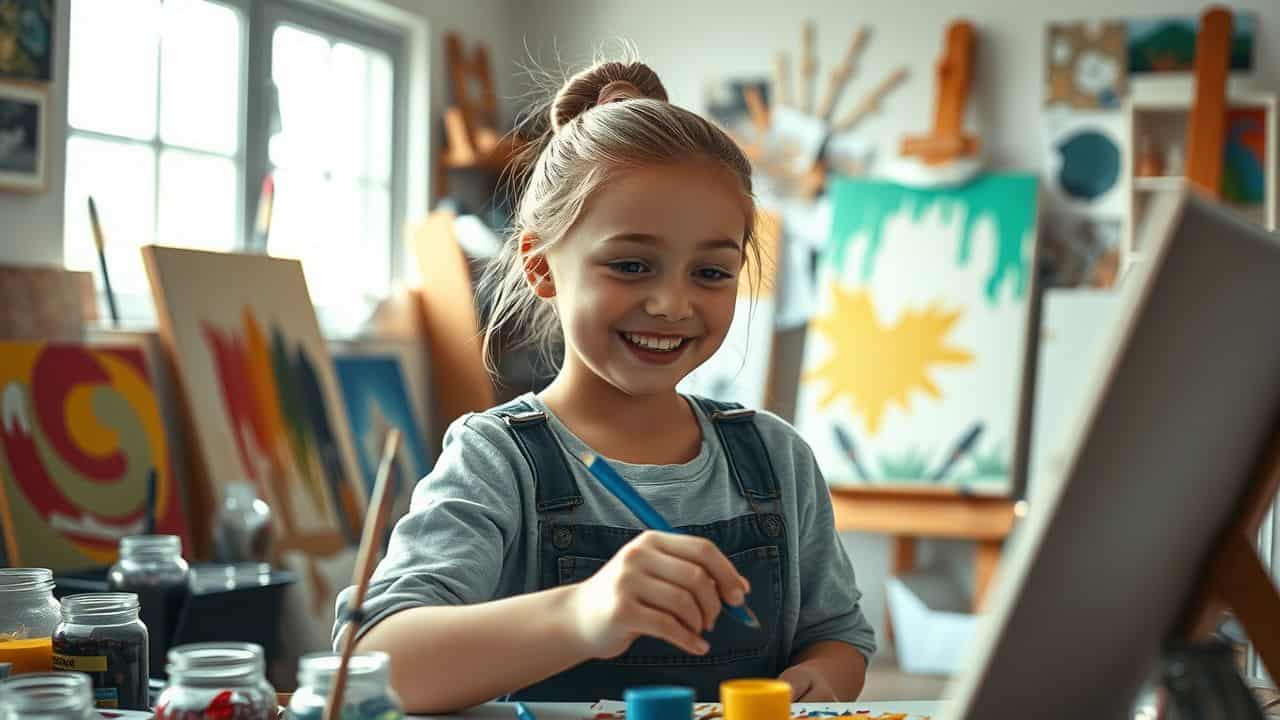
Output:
x=913 y=362
x=1244 y=156
x=378 y=398
x=26 y=39
x=1168 y=44
x=259 y=384
x=81 y=434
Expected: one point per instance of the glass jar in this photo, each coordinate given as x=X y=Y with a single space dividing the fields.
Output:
x=368 y=694
x=47 y=696
x=242 y=530
x=151 y=567
x=101 y=635
x=28 y=615
x=224 y=680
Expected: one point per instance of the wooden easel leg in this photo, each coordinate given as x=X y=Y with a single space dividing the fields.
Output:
x=986 y=559
x=1240 y=579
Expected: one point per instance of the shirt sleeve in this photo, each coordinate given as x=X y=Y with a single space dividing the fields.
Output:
x=829 y=596
x=450 y=546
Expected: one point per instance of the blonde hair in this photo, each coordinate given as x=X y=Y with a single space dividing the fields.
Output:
x=609 y=117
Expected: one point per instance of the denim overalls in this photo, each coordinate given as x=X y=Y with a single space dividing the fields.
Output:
x=570 y=551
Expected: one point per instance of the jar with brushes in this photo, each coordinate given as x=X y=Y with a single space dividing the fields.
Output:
x=368 y=694
x=222 y=680
x=102 y=636
x=28 y=616
x=47 y=696
x=152 y=567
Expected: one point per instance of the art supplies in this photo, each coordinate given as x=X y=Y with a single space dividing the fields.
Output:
x=368 y=695
x=523 y=712
x=370 y=542
x=647 y=515
x=152 y=567
x=101 y=635
x=217 y=680
x=100 y=244
x=659 y=703
x=65 y=695
x=28 y=616
x=756 y=699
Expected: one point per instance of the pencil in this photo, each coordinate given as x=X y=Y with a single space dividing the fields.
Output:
x=643 y=511
x=523 y=712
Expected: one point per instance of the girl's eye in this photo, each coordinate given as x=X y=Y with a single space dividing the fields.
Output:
x=713 y=274
x=629 y=267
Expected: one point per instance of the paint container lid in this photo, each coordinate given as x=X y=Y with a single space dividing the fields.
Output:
x=752 y=699
x=662 y=702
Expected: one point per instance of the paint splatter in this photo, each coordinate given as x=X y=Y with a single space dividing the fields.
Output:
x=1008 y=200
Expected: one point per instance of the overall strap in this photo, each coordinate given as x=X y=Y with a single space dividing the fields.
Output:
x=552 y=478
x=744 y=448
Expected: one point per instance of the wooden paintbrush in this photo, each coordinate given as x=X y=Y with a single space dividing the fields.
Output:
x=375 y=521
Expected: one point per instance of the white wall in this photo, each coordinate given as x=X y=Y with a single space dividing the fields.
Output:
x=691 y=42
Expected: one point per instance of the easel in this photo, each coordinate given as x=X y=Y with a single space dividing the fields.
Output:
x=471 y=138
x=909 y=514
x=1235 y=577
x=947 y=140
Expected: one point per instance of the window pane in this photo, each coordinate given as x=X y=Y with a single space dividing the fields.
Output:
x=197 y=200
x=348 y=90
x=340 y=231
x=200 y=76
x=300 y=70
x=121 y=178
x=380 y=105
x=112 y=67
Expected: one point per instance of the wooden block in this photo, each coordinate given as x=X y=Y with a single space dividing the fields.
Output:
x=1208 y=119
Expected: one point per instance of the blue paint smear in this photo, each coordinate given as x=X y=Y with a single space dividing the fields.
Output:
x=379 y=378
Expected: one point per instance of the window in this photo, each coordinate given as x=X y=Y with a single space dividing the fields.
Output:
x=178 y=108
x=155 y=101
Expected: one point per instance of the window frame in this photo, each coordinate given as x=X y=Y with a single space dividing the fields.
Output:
x=258 y=20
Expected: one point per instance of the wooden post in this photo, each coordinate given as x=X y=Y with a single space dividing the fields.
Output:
x=1208 y=120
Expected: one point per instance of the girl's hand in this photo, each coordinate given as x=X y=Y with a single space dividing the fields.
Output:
x=807 y=684
x=663 y=585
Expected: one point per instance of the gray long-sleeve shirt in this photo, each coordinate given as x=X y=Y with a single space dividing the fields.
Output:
x=468 y=538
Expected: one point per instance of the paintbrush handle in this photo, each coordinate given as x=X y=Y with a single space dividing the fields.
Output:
x=648 y=516
x=375 y=522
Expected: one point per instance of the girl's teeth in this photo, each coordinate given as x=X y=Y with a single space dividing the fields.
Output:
x=653 y=343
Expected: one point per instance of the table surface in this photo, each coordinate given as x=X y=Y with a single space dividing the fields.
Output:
x=581 y=711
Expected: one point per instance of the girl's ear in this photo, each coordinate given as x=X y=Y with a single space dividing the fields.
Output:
x=536 y=270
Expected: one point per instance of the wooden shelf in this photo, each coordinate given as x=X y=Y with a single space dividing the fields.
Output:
x=1158 y=183
x=922 y=512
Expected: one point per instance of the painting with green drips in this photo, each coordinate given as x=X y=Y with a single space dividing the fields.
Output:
x=916 y=347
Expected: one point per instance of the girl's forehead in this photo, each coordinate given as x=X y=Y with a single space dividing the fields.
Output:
x=668 y=201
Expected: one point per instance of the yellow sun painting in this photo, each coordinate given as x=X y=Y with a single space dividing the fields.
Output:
x=875 y=364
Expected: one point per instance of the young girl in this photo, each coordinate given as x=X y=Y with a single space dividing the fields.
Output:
x=515 y=572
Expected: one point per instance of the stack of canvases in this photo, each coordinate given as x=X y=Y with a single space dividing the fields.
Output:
x=84 y=430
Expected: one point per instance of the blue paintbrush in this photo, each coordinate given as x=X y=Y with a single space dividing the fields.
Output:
x=643 y=511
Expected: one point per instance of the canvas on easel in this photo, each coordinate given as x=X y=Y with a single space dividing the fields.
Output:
x=81 y=433
x=259 y=384
x=1148 y=530
x=913 y=364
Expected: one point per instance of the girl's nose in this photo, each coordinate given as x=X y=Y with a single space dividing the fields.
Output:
x=669 y=301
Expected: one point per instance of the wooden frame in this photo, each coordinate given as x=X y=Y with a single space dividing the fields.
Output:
x=13 y=137
x=908 y=514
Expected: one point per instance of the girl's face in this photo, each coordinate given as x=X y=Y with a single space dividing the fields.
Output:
x=646 y=280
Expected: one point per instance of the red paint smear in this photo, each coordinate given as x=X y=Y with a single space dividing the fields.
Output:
x=1253 y=122
x=58 y=371
x=238 y=397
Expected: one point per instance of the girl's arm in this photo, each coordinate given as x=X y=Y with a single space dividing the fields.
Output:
x=827 y=671
x=446 y=657
x=449 y=657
